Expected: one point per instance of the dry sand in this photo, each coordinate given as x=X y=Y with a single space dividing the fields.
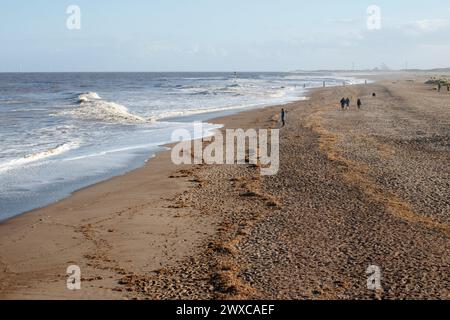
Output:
x=355 y=188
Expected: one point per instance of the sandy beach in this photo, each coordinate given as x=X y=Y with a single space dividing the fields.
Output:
x=355 y=188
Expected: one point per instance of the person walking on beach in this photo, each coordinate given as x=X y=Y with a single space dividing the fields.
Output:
x=283 y=117
x=439 y=86
x=343 y=101
x=359 y=103
x=347 y=103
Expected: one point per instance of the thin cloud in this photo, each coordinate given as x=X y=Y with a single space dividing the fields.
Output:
x=425 y=26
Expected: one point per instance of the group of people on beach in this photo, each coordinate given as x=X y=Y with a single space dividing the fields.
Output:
x=345 y=103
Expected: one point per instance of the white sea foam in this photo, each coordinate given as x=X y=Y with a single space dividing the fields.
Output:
x=39 y=156
x=93 y=107
x=89 y=96
x=279 y=94
x=192 y=112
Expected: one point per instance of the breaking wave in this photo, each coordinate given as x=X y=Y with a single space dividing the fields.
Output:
x=39 y=156
x=92 y=107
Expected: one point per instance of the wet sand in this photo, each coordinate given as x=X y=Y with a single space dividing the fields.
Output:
x=355 y=188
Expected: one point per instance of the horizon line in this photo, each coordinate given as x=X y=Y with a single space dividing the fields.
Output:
x=233 y=71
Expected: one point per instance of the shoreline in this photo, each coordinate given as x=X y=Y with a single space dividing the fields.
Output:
x=157 y=167
x=149 y=159
x=51 y=196
x=213 y=120
x=204 y=232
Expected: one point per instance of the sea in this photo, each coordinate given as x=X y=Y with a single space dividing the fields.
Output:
x=60 y=132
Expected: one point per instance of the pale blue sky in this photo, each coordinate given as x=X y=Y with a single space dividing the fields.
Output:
x=211 y=35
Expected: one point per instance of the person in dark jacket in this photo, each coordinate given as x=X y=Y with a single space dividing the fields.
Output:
x=343 y=103
x=283 y=116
